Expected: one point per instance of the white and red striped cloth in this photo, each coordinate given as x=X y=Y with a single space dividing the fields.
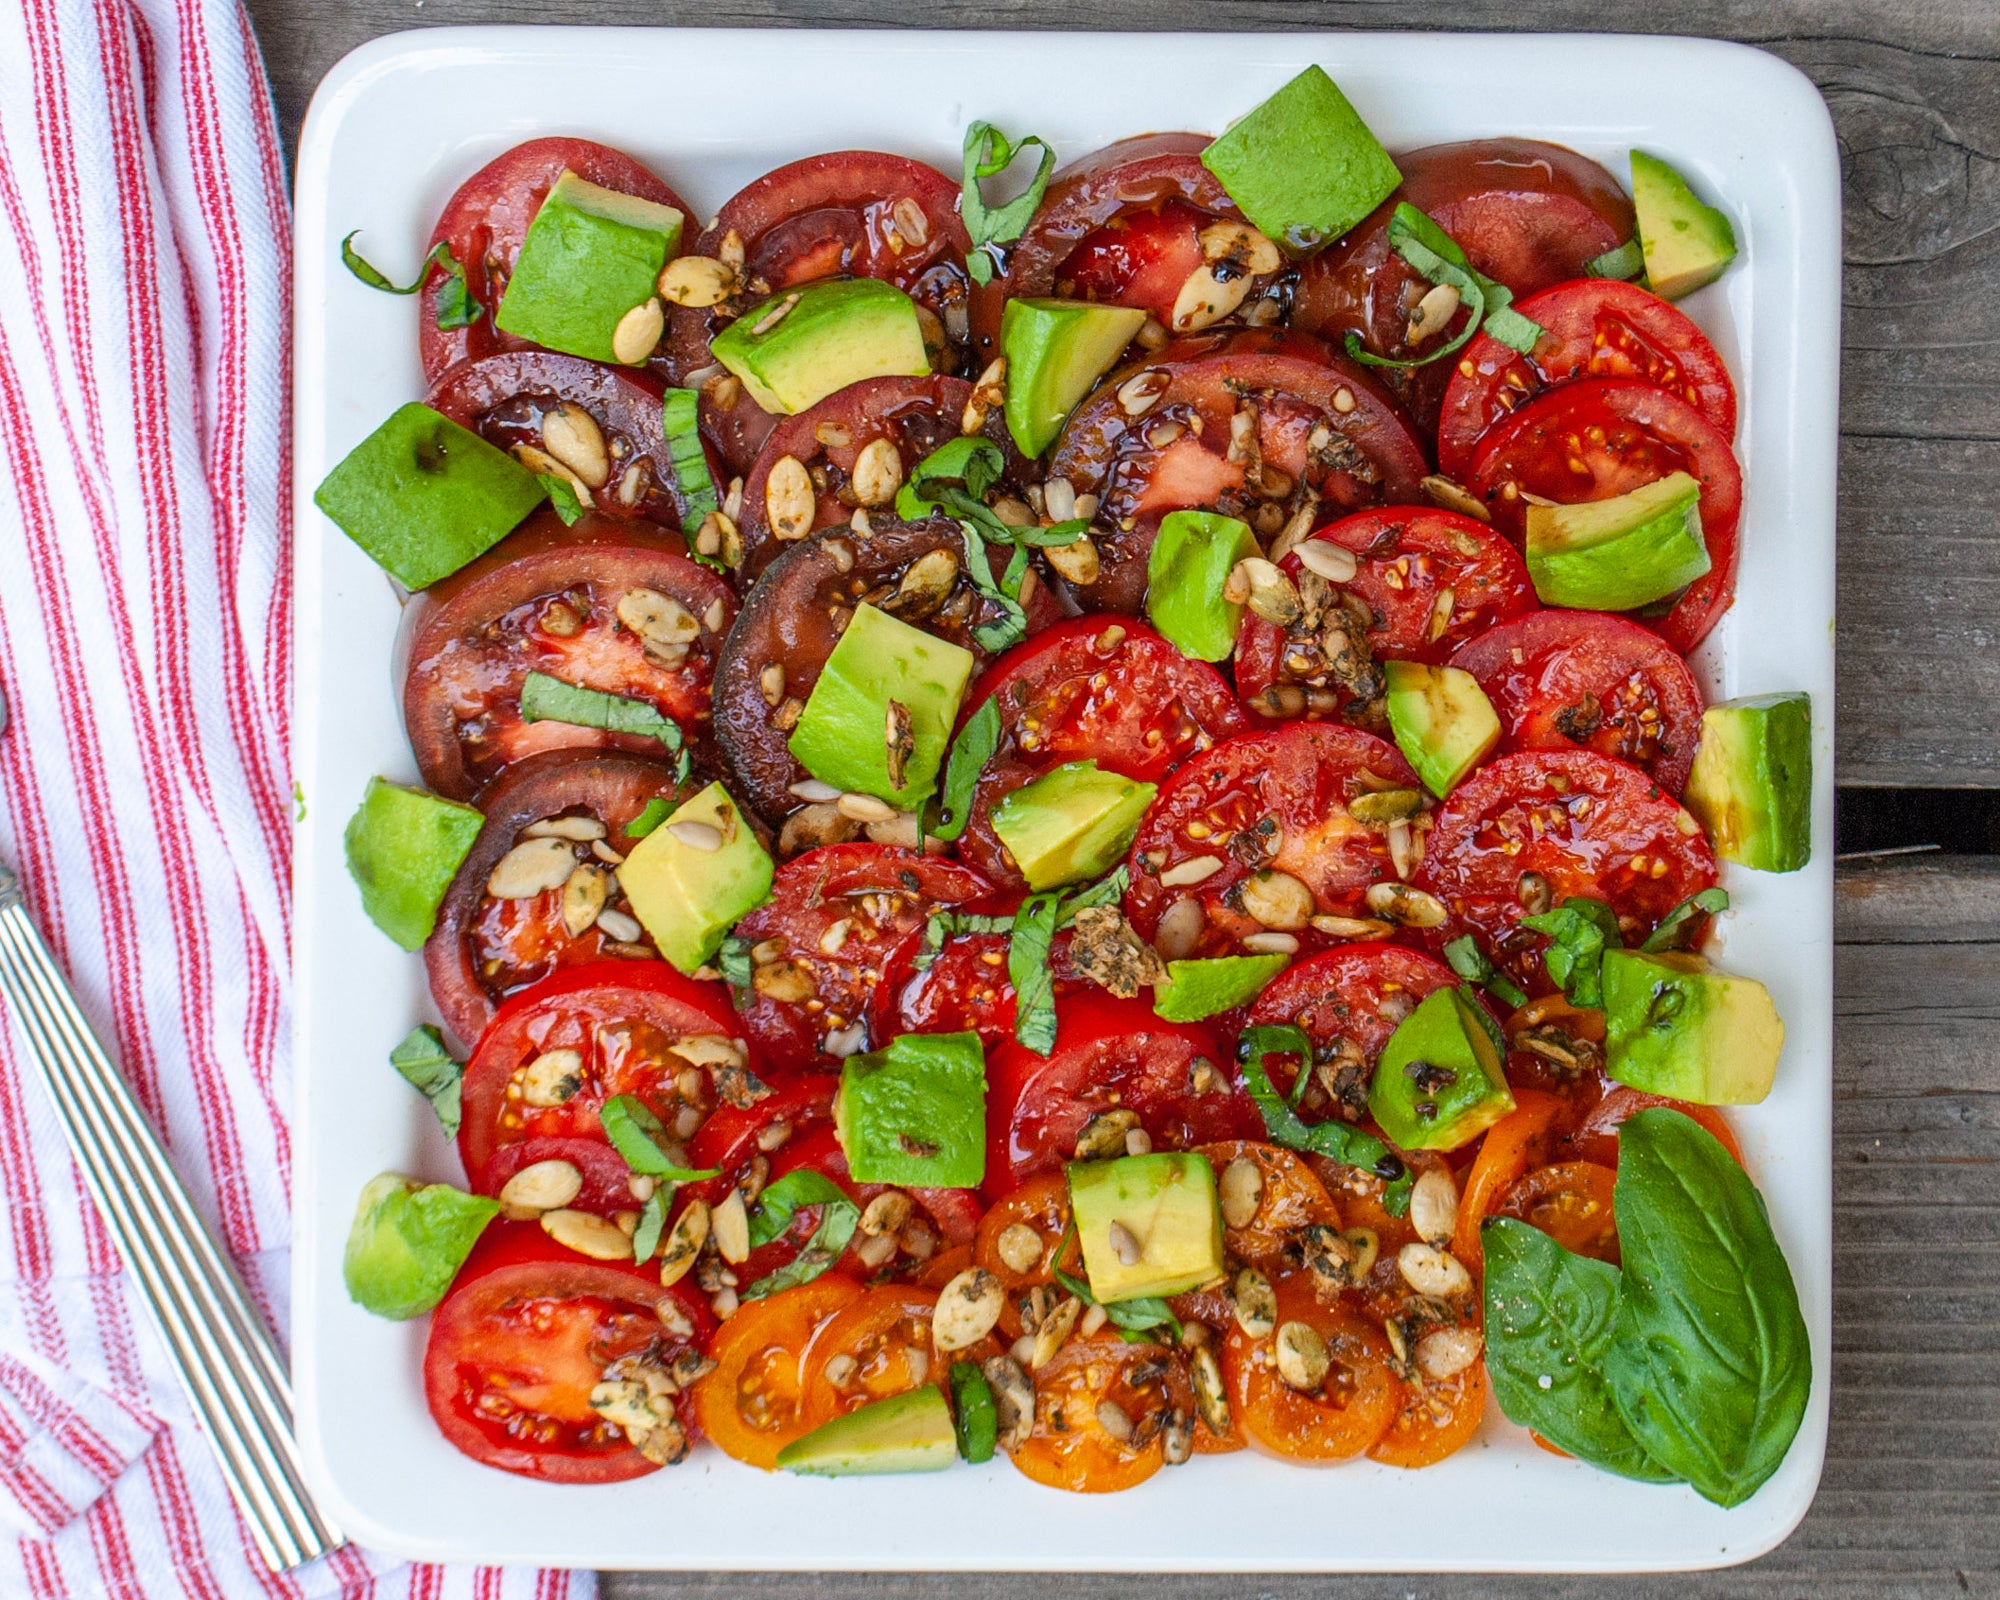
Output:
x=145 y=632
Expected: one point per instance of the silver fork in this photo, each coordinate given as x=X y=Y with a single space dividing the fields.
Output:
x=218 y=1344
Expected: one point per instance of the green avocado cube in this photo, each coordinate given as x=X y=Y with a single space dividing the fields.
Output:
x=1303 y=166
x=908 y=1432
x=915 y=1113
x=1439 y=1083
x=404 y=846
x=1190 y=562
x=1056 y=351
x=408 y=1241
x=1075 y=821
x=1159 y=1211
x=591 y=256
x=879 y=719
x=811 y=341
x=1621 y=553
x=1675 y=1026
x=423 y=496
x=1686 y=242
x=1197 y=989
x=1443 y=722
x=1751 y=787
x=689 y=891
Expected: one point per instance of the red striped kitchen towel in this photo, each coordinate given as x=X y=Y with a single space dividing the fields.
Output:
x=145 y=631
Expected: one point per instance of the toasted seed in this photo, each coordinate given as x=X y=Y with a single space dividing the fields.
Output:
x=1333 y=562
x=1386 y=806
x=899 y=741
x=701 y=836
x=638 y=331
x=1013 y=1400
x=774 y=313
x=1266 y=590
x=1352 y=927
x=1196 y=869
x=542 y=1186
x=625 y=1403
x=1241 y=1190
x=1277 y=899
x=729 y=1222
x=811 y=789
x=1138 y=1143
x=1055 y=1330
x=878 y=472
x=1092 y=1322
x=1434 y=1205
x=1019 y=1247
x=1429 y=1270
x=1242 y=246
x=696 y=281
x=1367 y=1245
x=785 y=981
x=1124 y=1244
x=1210 y=1397
x=789 y=498
x=1327 y=1252
x=1077 y=561
x=660 y=621
x=1431 y=313
x=1180 y=929
x=886 y=1213
x=531 y=868
x=1114 y=1420
x=814 y=825
x=572 y=436
x=786 y=716
x=1441 y=491
x=1059 y=499
x=1400 y=903
x=1404 y=851
x=626 y=930
x=539 y=461
x=901 y=829
x=581 y=830
x=1256 y=1305
x=1205 y=298
x=584 y=892
x=1270 y=943
x=925 y=586
x=967 y=1308
x=1447 y=1352
x=1103 y=1135
x=865 y=808
x=1140 y=393
x=1303 y=1361
x=587 y=1235
x=874 y=1250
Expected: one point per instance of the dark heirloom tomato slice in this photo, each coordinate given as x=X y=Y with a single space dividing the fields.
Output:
x=508 y=398
x=1348 y=1001
x=568 y=602
x=1162 y=435
x=1560 y=679
x=1070 y=1447
x=485 y=947
x=1109 y=1054
x=620 y=1028
x=1424 y=582
x=1592 y=328
x=1279 y=800
x=1112 y=691
x=528 y=1331
x=1354 y=1404
x=819 y=947
x=1589 y=825
x=752 y=1404
x=852 y=213
x=793 y=617
x=1597 y=438
x=488 y=217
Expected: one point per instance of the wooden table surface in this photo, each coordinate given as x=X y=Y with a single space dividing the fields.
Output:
x=1910 y=1504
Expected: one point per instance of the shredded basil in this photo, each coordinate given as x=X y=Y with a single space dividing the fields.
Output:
x=970 y=752
x=1337 y=1140
x=429 y=1069
x=547 y=699
x=772 y=1215
x=637 y=1135
x=1011 y=626
x=563 y=497
x=456 y=306
x=655 y=812
x=988 y=153
x=1583 y=930
x=941 y=925
x=1625 y=262
x=1471 y=963
x=1672 y=931
x=1028 y=971
x=680 y=420
x=652 y=1223
x=1437 y=257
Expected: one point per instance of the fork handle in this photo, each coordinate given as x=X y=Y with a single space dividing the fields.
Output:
x=218 y=1344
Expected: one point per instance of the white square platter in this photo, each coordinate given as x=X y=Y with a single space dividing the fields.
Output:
x=395 y=128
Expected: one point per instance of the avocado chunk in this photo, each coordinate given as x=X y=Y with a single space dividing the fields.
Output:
x=1443 y=722
x=915 y=1113
x=836 y=332
x=591 y=256
x=1621 y=553
x=908 y=1432
x=879 y=719
x=1303 y=166
x=1673 y=1025
x=1439 y=1083
x=1074 y=821
x=1160 y=1210
x=1190 y=562
x=408 y=1241
x=404 y=847
x=423 y=496
x=1686 y=242
x=1056 y=351
x=689 y=896
x=1197 y=989
x=1751 y=787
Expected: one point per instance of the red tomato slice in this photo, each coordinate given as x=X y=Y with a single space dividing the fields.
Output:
x=1278 y=800
x=1091 y=689
x=1425 y=581
x=622 y=1019
x=1597 y=438
x=964 y=990
x=1564 y=679
x=527 y=1332
x=1596 y=1140
x=1591 y=826
x=1108 y=1054
x=485 y=221
x=1591 y=328
x=734 y=1136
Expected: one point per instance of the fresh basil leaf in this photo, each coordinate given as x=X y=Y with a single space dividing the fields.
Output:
x=680 y=420
x=975 y=1418
x=970 y=459
x=655 y=812
x=1673 y=927
x=1625 y=262
x=636 y=1134
x=988 y=153
x=786 y=1198
x=1709 y=1358
x=1133 y=1316
x=429 y=1069
x=732 y=960
x=1028 y=971
x=838 y=1218
x=562 y=497
x=1582 y=930
x=652 y=1223
x=1471 y=963
x=1337 y=1140
x=1437 y=257
x=970 y=752
x=456 y=308
x=1549 y=1316
x=547 y=699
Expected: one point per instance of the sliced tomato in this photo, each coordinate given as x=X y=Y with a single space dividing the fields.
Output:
x=1275 y=800
x=1437 y=1418
x=1570 y=1201
x=1601 y=437
x=1289 y=1196
x=1424 y=582
x=528 y=1331
x=1596 y=1140
x=1591 y=826
x=1351 y=1408
x=1114 y=692
x=753 y=1404
x=871 y=1349
x=1513 y=1144
x=1561 y=680
x=1322 y=430
x=1041 y=1206
x=1591 y=328
x=1071 y=1447
x=735 y=1136
x=548 y=598
x=1109 y=1054
x=485 y=221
